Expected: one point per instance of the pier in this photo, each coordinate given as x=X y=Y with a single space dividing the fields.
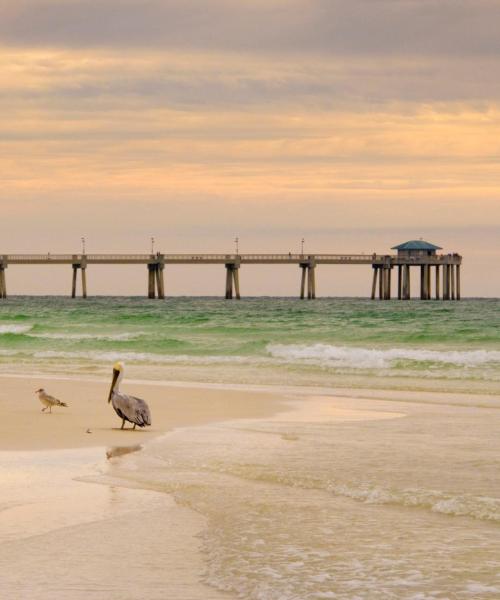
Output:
x=424 y=260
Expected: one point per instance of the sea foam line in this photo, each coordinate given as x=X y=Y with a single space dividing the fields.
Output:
x=15 y=329
x=88 y=336
x=344 y=356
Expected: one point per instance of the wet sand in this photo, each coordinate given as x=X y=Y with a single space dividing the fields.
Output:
x=68 y=531
x=90 y=421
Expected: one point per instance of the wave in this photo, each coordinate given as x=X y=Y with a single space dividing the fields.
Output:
x=482 y=508
x=118 y=337
x=15 y=329
x=363 y=358
x=141 y=357
x=477 y=507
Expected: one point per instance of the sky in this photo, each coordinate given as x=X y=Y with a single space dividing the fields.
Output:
x=354 y=124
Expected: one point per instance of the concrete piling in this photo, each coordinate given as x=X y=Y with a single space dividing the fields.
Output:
x=374 y=282
x=84 y=282
x=151 y=282
x=229 y=282
x=236 y=280
x=303 y=282
x=3 y=284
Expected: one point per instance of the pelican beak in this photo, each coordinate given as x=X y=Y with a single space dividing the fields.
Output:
x=115 y=377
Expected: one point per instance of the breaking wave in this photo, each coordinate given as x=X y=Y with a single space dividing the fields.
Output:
x=112 y=337
x=142 y=357
x=365 y=358
x=15 y=329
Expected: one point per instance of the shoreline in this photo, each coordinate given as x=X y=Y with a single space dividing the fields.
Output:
x=78 y=516
x=89 y=421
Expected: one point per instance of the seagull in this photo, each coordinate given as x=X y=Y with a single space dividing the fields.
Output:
x=48 y=401
x=128 y=408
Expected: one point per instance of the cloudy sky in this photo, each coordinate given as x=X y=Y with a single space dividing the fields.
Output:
x=356 y=124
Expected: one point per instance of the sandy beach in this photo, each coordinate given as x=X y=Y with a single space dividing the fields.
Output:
x=52 y=512
x=50 y=517
x=232 y=490
x=27 y=428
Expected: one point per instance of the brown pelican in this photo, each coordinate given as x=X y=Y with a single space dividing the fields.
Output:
x=48 y=401
x=128 y=408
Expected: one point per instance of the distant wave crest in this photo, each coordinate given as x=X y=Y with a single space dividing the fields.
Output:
x=15 y=329
x=363 y=358
x=89 y=336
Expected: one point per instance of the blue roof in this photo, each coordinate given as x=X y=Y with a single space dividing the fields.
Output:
x=416 y=245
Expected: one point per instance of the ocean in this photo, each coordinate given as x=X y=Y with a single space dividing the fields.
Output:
x=400 y=503
x=338 y=342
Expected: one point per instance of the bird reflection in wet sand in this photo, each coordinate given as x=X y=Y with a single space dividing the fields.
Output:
x=116 y=451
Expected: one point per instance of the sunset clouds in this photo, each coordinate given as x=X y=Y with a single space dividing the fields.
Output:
x=349 y=107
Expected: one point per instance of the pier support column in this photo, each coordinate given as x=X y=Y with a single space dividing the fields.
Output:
x=3 y=284
x=229 y=282
x=387 y=290
x=374 y=282
x=406 y=282
x=84 y=282
x=159 y=282
x=437 y=283
x=313 y=271
x=452 y=277
x=446 y=282
x=311 y=283
x=151 y=282
x=236 y=281
x=400 y=282
x=73 y=284
x=428 y=281
x=381 y=283
x=422 y=282
x=303 y=282
x=458 y=282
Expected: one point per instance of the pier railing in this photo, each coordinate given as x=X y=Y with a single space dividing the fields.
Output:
x=185 y=258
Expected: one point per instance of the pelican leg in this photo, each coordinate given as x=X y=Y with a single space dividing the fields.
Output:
x=50 y=409
x=123 y=424
x=134 y=426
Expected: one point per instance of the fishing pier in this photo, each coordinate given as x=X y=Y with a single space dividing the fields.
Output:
x=416 y=255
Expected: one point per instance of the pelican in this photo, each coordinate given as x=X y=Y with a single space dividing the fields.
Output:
x=48 y=401
x=128 y=408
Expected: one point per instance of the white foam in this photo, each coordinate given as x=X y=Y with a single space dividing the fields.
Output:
x=363 y=358
x=15 y=329
x=144 y=357
x=88 y=336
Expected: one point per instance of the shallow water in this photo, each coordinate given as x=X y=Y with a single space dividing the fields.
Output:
x=63 y=537
x=297 y=507
x=400 y=507
x=329 y=342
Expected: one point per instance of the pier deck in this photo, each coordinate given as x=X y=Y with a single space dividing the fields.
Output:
x=382 y=265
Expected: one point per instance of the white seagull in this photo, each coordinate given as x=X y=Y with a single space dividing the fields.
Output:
x=128 y=408
x=48 y=401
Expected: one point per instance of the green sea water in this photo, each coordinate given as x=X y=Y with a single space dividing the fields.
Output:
x=337 y=342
